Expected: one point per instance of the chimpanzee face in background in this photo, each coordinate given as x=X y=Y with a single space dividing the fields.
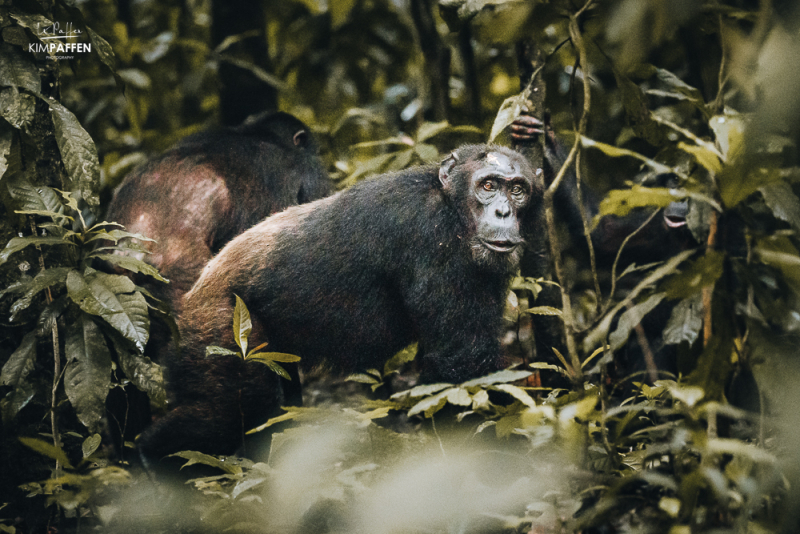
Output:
x=495 y=191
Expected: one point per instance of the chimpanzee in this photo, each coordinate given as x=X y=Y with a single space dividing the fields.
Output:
x=195 y=198
x=424 y=254
x=213 y=186
x=664 y=236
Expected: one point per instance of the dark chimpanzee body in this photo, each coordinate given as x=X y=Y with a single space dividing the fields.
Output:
x=213 y=186
x=425 y=254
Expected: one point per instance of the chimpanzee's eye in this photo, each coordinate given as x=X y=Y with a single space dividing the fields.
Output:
x=488 y=185
x=516 y=190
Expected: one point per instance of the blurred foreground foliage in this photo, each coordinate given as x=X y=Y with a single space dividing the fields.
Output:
x=704 y=91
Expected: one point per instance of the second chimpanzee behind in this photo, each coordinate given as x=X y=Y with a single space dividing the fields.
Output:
x=213 y=186
x=425 y=254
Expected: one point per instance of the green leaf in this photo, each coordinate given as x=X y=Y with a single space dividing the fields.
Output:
x=518 y=393
x=116 y=235
x=18 y=243
x=703 y=272
x=630 y=319
x=131 y=264
x=20 y=363
x=275 y=368
x=87 y=378
x=740 y=448
x=506 y=375
x=430 y=129
x=635 y=104
x=90 y=445
x=420 y=391
x=615 y=152
x=43 y=280
x=705 y=157
x=596 y=336
x=543 y=310
x=53 y=215
x=729 y=131
x=213 y=350
x=195 y=457
x=340 y=11
x=18 y=109
x=78 y=152
x=105 y=295
x=47 y=449
x=362 y=378
x=143 y=373
x=785 y=205
x=398 y=360
x=18 y=70
x=508 y=113
x=103 y=49
x=427 y=153
x=273 y=357
x=430 y=405
x=685 y=322
x=621 y=201
x=242 y=326
x=34 y=197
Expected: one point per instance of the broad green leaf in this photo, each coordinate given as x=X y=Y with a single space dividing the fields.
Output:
x=692 y=94
x=703 y=272
x=34 y=197
x=78 y=152
x=508 y=113
x=242 y=326
x=47 y=449
x=430 y=405
x=421 y=391
x=401 y=161
x=737 y=182
x=275 y=368
x=340 y=11
x=427 y=153
x=630 y=319
x=636 y=110
x=18 y=243
x=31 y=21
x=705 y=157
x=398 y=360
x=518 y=393
x=143 y=373
x=18 y=70
x=90 y=445
x=20 y=363
x=18 y=109
x=362 y=378
x=729 y=131
x=116 y=235
x=596 y=336
x=621 y=201
x=506 y=375
x=213 y=350
x=273 y=356
x=685 y=322
x=785 y=205
x=41 y=281
x=430 y=129
x=87 y=377
x=103 y=49
x=132 y=264
x=195 y=457
x=459 y=397
x=288 y=416
x=111 y=297
x=52 y=214
x=615 y=152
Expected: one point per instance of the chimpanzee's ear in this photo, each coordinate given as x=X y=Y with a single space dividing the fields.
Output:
x=445 y=167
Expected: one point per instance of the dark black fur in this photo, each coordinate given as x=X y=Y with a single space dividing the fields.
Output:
x=348 y=281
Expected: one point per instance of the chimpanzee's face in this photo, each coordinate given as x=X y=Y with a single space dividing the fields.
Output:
x=500 y=191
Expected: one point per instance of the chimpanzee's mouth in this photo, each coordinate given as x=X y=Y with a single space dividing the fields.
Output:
x=674 y=222
x=501 y=246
